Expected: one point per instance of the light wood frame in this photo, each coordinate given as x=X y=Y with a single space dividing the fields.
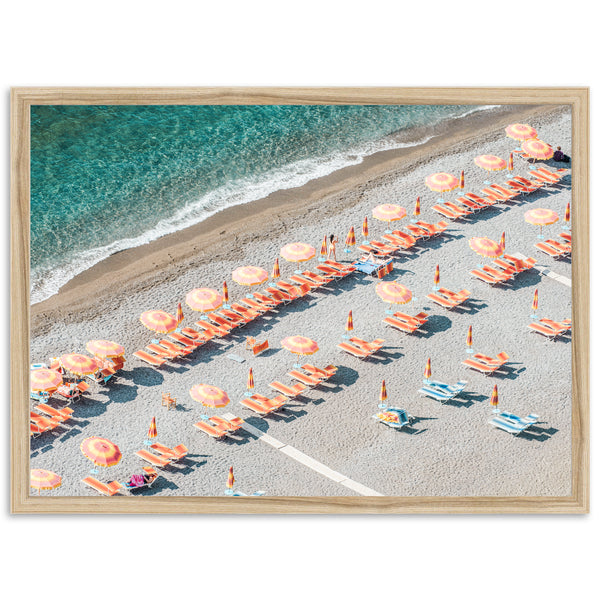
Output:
x=21 y=101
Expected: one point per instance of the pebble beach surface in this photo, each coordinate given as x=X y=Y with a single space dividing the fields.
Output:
x=449 y=450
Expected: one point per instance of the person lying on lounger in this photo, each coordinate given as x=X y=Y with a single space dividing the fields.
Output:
x=373 y=259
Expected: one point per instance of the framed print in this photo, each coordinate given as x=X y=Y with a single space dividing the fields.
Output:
x=296 y=300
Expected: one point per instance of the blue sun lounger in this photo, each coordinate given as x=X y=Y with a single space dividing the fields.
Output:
x=442 y=391
x=513 y=424
x=458 y=387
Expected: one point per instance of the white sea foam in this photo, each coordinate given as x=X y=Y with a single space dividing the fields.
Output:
x=45 y=282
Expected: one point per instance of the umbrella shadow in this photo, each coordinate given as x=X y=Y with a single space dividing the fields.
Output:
x=434 y=324
x=344 y=377
x=470 y=307
x=526 y=279
x=507 y=372
x=144 y=375
x=122 y=393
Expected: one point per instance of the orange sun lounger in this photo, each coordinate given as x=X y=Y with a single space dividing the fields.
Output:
x=450 y=213
x=176 y=348
x=162 y=351
x=213 y=329
x=480 y=199
x=545 y=330
x=260 y=406
x=107 y=489
x=291 y=392
x=370 y=347
x=403 y=239
x=316 y=278
x=483 y=276
x=156 y=461
x=324 y=373
x=502 y=191
x=62 y=415
x=500 y=359
x=186 y=341
x=307 y=380
x=400 y=324
x=176 y=453
x=151 y=359
x=354 y=350
x=443 y=301
x=212 y=430
x=551 y=250
x=485 y=368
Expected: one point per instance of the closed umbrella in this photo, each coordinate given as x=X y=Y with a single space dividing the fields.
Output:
x=534 y=305
x=494 y=399
x=152 y=432
x=250 y=383
x=567 y=224
x=349 y=325
x=470 y=339
x=275 y=274
x=350 y=240
x=436 y=278
x=427 y=372
x=382 y=395
x=416 y=210
x=230 y=482
x=179 y=314
x=365 y=228
x=323 y=251
x=225 y=296
x=511 y=164
x=503 y=242
x=461 y=183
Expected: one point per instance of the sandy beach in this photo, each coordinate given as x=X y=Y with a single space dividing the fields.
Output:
x=450 y=450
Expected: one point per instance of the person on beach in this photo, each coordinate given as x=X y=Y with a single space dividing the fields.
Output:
x=331 y=250
x=559 y=156
x=373 y=259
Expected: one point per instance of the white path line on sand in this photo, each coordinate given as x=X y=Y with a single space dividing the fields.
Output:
x=307 y=460
x=546 y=271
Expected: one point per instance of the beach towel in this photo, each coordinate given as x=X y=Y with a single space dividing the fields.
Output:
x=136 y=481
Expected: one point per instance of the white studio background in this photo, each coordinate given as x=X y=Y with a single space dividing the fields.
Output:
x=463 y=43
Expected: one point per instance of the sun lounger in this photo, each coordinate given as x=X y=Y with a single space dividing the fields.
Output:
x=459 y=296
x=437 y=393
x=107 y=489
x=347 y=269
x=502 y=191
x=483 y=276
x=185 y=341
x=222 y=322
x=264 y=303
x=384 y=249
x=176 y=453
x=237 y=318
x=404 y=239
x=213 y=329
x=560 y=246
x=397 y=418
x=292 y=290
x=447 y=388
x=156 y=461
x=229 y=425
x=520 y=264
x=324 y=373
x=566 y=236
x=44 y=423
x=401 y=324
x=485 y=368
x=472 y=206
x=543 y=178
x=151 y=359
x=278 y=401
x=69 y=391
x=279 y=295
x=513 y=424
x=179 y=349
x=528 y=183
x=212 y=430
x=503 y=274
x=62 y=415
x=433 y=228
x=260 y=406
x=350 y=349
x=560 y=173
x=307 y=380
x=500 y=359
x=162 y=351
x=191 y=333
x=316 y=278
x=443 y=301
x=550 y=250
x=303 y=281
x=515 y=185
x=450 y=213
x=290 y=392
x=419 y=232
x=494 y=195
x=481 y=200
x=331 y=272
x=370 y=347
x=562 y=326
x=255 y=305
x=149 y=473
x=545 y=330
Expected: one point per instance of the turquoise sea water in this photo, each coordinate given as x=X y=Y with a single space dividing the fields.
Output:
x=107 y=178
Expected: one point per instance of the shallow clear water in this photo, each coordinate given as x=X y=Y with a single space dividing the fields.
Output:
x=106 y=178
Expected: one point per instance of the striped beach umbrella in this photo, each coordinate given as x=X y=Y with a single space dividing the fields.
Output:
x=534 y=305
x=417 y=209
x=41 y=479
x=44 y=380
x=461 y=183
x=567 y=215
x=349 y=324
x=209 y=395
x=503 y=242
x=427 y=372
x=225 y=294
x=250 y=276
x=159 y=321
x=365 y=228
x=275 y=274
x=393 y=292
x=297 y=252
x=105 y=348
x=511 y=164
x=436 y=278
x=102 y=452
x=520 y=131
x=299 y=345
x=179 y=314
x=382 y=395
x=489 y=162
x=230 y=479
x=470 y=339
x=541 y=217
x=323 y=251
x=78 y=364
x=203 y=299
x=494 y=399
x=537 y=149
x=389 y=213
x=485 y=247
x=350 y=239
x=250 y=383
x=442 y=182
x=152 y=431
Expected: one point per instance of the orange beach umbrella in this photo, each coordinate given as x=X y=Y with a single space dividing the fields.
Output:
x=511 y=164
x=225 y=293
x=365 y=228
x=461 y=183
x=152 y=431
x=541 y=217
x=323 y=251
x=436 y=276
x=427 y=372
x=298 y=344
x=230 y=479
x=568 y=213
x=203 y=299
x=159 y=321
x=470 y=337
x=537 y=149
x=250 y=275
x=44 y=380
x=298 y=252
x=489 y=162
x=393 y=292
x=250 y=382
x=102 y=452
x=442 y=182
x=417 y=209
x=41 y=479
x=104 y=348
x=179 y=314
x=349 y=322
x=209 y=395
x=351 y=238
x=485 y=247
x=494 y=398
x=389 y=212
x=78 y=364
x=275 y=274
x=520 y=131
x=382 y=395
